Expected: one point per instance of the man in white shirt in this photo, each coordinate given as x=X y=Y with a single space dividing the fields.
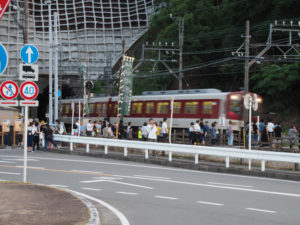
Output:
x=89 y=128
x=152 y=133
x=164 y=130
x=271 y=128
x=197 y=131
x=149 y=126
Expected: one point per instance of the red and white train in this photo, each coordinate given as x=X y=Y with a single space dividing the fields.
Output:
x=189 y=106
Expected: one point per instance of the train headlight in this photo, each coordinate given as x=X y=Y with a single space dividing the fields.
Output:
x=259 y=100
x=234 y=97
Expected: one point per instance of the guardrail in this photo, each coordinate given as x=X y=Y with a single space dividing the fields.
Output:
x=227 y=153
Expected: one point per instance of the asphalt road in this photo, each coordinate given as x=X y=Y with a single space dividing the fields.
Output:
x=153 y=195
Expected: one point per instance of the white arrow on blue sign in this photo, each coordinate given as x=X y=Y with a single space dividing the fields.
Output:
x=3 y=59
x=29 y=54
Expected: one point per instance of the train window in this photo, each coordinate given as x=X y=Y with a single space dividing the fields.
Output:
x=103 y=109
x=91 y=107
x=137 y=107
x=191 y=108
x=149 y=107
x=77 y=108
x=109 y=108
x=177 y=107
x=98 y=108
x=235 y=106
x=207 y=107
x=116 y=109
x=67 y=109
x=162 y=108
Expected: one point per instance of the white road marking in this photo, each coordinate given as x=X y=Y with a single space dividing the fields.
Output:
x=158 y=168
x=165 y=197
x=126 y=193
x=166 y=178
x=120 y=215
x=29 y=160
x=86 y=171
x=6 y=162
x=261 y=210
x=217 y=186
x=129 y=184
x=235 y=185
x=35 y=167
x=91 y=181
x=58 y=185
x=91 y=189
x=2 y=180
x=10 y=173
x=210 y=203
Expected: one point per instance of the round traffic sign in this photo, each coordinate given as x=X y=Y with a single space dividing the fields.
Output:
x=9 y=90
x=29 y=90
x=29 y=54
x=3 y=59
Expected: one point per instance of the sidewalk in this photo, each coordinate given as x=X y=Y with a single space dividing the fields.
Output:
x=29 y=204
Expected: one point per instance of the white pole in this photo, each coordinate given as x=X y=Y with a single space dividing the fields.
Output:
x=79 y=111
x=50 y=67
x=171 y=120
x=249 y=130
x=55 y=68
x=25 y=146
x=72 y=130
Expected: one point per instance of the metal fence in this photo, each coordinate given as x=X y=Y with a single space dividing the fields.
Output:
x=227 y=153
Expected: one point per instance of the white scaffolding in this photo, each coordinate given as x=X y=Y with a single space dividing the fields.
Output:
x=87 y=28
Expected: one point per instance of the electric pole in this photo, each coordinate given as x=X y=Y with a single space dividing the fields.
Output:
x=246 y=81
x=55 y=67
x=26 y=9
x=181 y=36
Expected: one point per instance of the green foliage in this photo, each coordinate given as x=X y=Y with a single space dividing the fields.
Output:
x=279 y=84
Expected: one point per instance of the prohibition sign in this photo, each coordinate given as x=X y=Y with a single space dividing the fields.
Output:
x=9 y=90
x=29 y=90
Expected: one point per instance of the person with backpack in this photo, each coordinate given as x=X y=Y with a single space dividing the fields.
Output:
x=229 y=133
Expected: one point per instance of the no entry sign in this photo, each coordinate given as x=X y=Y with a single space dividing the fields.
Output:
x=9 y=90
x=29 y=90
x=3 y=6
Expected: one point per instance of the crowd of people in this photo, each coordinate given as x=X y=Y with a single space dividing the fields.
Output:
x=40 y=135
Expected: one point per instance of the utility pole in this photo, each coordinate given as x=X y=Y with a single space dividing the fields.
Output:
x=181 y=36
x=26 y=40
x=246 y=81
x=55 y=68
x=50 y=65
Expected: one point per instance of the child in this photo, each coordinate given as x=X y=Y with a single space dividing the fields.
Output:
x=140 y=136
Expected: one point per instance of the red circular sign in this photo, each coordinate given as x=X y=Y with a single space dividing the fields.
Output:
x=29 y=90
x=9 y=90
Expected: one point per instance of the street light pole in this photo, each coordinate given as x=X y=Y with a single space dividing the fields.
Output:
x=55 y=68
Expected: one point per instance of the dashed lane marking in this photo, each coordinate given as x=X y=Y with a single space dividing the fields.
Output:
x=143 y=176
x=234 y=185
x=6 y=162
x=165 y=197
x=58 y=185
x=210 y=203
x=129 y=184
x=261 y=210
x=87 y=171
x=126 y=193
x=9 y=173
x=91 y=189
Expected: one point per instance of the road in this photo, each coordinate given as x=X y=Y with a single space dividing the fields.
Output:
x=155 y=195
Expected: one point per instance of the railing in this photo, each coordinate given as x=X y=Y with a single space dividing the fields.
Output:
x=227 y=153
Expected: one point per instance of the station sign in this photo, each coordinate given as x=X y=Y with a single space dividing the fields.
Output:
x=29 y=90
x=9 y=90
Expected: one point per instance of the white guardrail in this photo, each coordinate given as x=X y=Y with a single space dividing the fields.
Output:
x=227 y=153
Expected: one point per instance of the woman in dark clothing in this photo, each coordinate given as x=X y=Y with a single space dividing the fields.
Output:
x=48 y=136
x=264 y=136
x=36 y=136
x=30 y=137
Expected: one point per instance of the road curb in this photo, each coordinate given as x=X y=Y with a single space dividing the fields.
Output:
x=185 y=164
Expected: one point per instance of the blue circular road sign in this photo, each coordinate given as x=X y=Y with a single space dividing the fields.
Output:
x=58 y=93
x=3 y=59
x=29 y=54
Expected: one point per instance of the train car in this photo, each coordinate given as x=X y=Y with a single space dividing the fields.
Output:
x=189 y=106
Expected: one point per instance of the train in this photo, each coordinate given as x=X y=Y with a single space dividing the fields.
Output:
x=189 y=106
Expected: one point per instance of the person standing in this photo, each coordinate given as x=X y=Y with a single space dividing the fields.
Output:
x=149 y=127
x=48 y=132
x=144 y=131
x=152 y=134
x=36 y=135
x=277 y=132
x=128 y=130
x=213 y=133
x=140 y=135
x=271 y=128
x=206 y=132
x=197 y=132
x=264 y=136
x=202 y=137
x=292 y=136
x=89 y=129
x=229 y=133
x=254 y=133
x=192 y=134
x=30 y=137
x=164 y=130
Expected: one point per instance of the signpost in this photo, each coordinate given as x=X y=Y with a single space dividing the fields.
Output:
x=29 y=54
x=3 y=6
x=3 y=58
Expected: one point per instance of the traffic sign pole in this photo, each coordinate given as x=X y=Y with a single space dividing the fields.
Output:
x=25 y=145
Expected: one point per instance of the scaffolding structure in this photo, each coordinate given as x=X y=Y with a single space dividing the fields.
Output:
x=88 y=30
